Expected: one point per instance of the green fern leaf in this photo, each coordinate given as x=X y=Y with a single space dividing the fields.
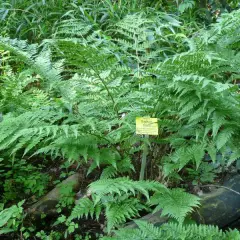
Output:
x=223 y=137
x=176 y=203
x=119 y=212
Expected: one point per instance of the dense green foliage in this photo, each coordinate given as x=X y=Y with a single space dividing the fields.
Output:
x=173 y=231
x=74 y=75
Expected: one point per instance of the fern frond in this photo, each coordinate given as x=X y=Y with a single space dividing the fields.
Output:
x=124 y=186
x=118 y=213
x=173 y=231
x=84 y=208
x=223 y=137
x=40 y=63
x=176 y=203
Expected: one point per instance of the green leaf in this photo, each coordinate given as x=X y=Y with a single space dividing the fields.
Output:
x=223 y=137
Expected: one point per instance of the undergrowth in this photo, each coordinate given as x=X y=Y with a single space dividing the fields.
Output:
x=71 y=96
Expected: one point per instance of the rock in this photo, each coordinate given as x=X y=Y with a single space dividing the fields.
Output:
x=222 y=206
x=47 y=204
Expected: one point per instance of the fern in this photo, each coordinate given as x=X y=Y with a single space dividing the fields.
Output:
x=186 y=4
x=137 y=38
x=40 y=63
x=127 y=69
x=176 y=203
x=173 y=231
x=17 y=95
x=126 y=186
x=124 y=166
x=84 y=208
x=223 y=137
x=119 y=212
x=116 y=197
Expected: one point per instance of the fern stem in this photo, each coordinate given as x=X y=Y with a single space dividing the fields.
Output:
x=144 y=159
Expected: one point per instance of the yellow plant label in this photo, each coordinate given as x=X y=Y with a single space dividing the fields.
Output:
x=146 y=125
